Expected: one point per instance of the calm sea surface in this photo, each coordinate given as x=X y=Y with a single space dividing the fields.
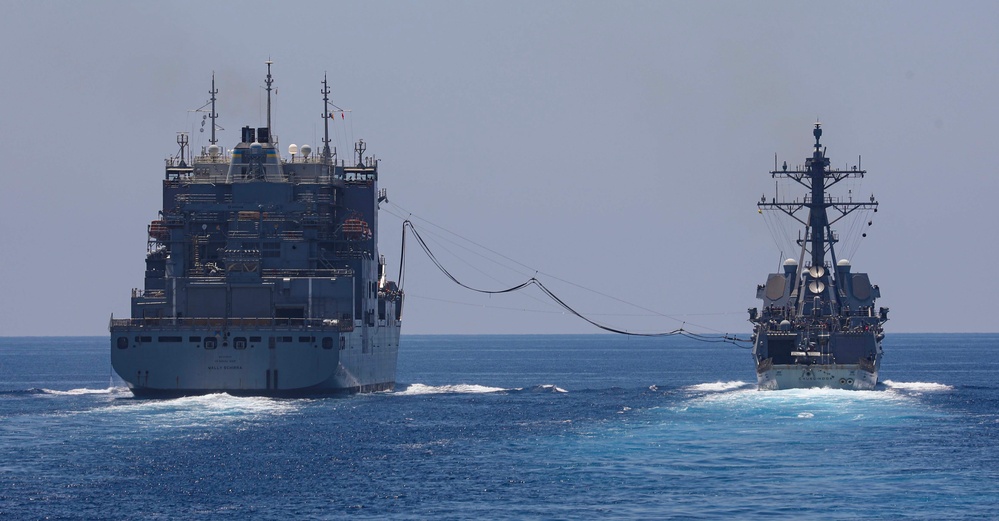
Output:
x=512 y=427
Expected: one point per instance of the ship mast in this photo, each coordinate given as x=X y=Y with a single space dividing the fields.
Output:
x=326 y=120
x=213 y=114
x=818 y=221
x=817 y=177
x=269 y=82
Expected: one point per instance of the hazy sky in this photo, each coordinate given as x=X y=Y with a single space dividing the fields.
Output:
x=616 y=148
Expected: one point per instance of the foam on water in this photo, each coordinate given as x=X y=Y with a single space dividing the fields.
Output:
x=546 y=388
x=198 y=411
x=717 y=386
x=420 y=389
x=736 y=400
x=917 y=386
x=80 y=392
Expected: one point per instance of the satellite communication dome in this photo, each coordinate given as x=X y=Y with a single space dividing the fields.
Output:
x=292 y=149
x=790 y=262
x=214 y=150
x=843 y=262
x=306 y=150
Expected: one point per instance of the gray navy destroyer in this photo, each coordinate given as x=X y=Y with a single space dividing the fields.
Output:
x=263 y=275
x=818 y=326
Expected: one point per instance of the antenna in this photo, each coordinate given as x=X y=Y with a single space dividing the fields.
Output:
x=269 y=82
x=182 y=140
x=326 y=119
x=360 y=147
x=213 y=114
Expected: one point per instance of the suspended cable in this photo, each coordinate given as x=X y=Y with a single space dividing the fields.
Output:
x=533 y=281
x=480 y=255
x=533 y=272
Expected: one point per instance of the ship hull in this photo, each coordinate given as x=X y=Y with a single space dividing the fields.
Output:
x=849 y=377
x=783 y=364
x=165 y=361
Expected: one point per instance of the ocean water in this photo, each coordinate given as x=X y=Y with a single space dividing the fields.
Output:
x=512 y=427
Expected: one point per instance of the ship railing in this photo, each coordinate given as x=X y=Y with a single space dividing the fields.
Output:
x=172 y=219
x=206 y=217
x=197 y=198
x=206 y=158
x=241 y=234
x=290 y=324
x=293 y=273
x=148 y=293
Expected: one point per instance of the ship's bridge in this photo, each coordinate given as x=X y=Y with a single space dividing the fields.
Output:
x=255 y=158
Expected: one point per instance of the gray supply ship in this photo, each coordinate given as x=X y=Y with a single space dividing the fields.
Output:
x=818 y=326
x=262 y=274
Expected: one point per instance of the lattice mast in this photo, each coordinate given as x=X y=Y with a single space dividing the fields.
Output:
x=817 y=177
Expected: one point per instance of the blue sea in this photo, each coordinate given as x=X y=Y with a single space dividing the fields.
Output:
x=512 y=427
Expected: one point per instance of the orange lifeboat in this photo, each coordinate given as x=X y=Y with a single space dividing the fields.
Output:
x=158 y=230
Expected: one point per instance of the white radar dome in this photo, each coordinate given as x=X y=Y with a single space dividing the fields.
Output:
x=790 y=262
x=292 y=149
x=306 y=150
x=843 y=262
x=214 y=150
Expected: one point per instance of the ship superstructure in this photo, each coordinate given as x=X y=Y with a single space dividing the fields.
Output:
x=818 y=326
x=263 y=274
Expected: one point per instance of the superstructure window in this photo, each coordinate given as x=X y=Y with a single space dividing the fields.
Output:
x=327 y=342
x=306 y=339
x=123 y=342
x=254 y=339
x=211 y=343
x=194 y=339
x=239 y=342
x=171 y=339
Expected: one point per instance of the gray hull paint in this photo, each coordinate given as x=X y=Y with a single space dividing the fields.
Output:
x=850 y=377
x=781 y=365
x=295 y=367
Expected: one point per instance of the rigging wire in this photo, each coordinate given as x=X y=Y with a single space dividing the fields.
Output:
x=533 y=281
x=534 y=272
x=476 y=253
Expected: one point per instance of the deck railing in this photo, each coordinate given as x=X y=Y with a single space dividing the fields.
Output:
x=342 y=324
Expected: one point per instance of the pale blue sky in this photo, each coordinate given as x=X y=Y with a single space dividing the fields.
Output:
x=621 y=146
